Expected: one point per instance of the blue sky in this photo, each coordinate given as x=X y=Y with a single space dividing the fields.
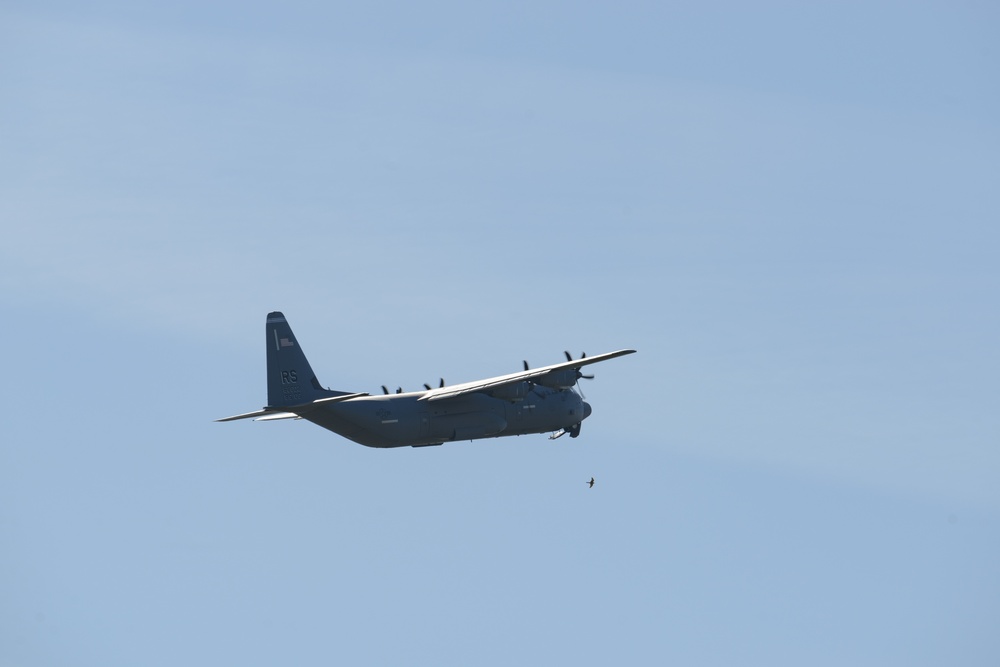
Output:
x=789 y=211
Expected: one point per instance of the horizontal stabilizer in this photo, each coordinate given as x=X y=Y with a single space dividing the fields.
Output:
x=290 y=411
x=278 y=415
x=331 y=399
x=247 y=415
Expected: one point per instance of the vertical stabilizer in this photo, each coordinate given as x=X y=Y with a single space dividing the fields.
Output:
x=290 y=378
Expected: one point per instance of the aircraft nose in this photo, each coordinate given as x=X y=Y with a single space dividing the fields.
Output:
x=586 y=410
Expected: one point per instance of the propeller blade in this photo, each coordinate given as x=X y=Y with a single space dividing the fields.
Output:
x=427 y=386
x=385 y=389
x=526 y=365
x=583 y=355
x=442 y=383
x=399 y=390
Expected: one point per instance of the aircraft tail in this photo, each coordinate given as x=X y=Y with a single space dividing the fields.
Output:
x=290 y=378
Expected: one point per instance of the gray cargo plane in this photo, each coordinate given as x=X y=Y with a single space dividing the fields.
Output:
x=539 y=400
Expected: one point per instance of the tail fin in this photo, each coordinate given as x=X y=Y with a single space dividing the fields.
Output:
x=290 y=379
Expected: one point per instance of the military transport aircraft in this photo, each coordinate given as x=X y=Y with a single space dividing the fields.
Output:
x=536 y=400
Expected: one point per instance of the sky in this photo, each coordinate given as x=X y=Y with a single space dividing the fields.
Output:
x=790 y=210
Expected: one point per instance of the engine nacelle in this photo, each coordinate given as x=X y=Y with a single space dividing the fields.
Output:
x=564 y=379
x=512 y=392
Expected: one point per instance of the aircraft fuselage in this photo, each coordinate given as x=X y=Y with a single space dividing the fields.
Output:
x=403 y=420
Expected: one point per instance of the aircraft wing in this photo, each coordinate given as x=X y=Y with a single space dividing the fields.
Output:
x=500 y=380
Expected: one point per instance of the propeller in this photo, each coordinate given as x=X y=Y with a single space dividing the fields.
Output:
x=583 y=355
x=428 y=387
x=579 y=376
x=385 y=389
